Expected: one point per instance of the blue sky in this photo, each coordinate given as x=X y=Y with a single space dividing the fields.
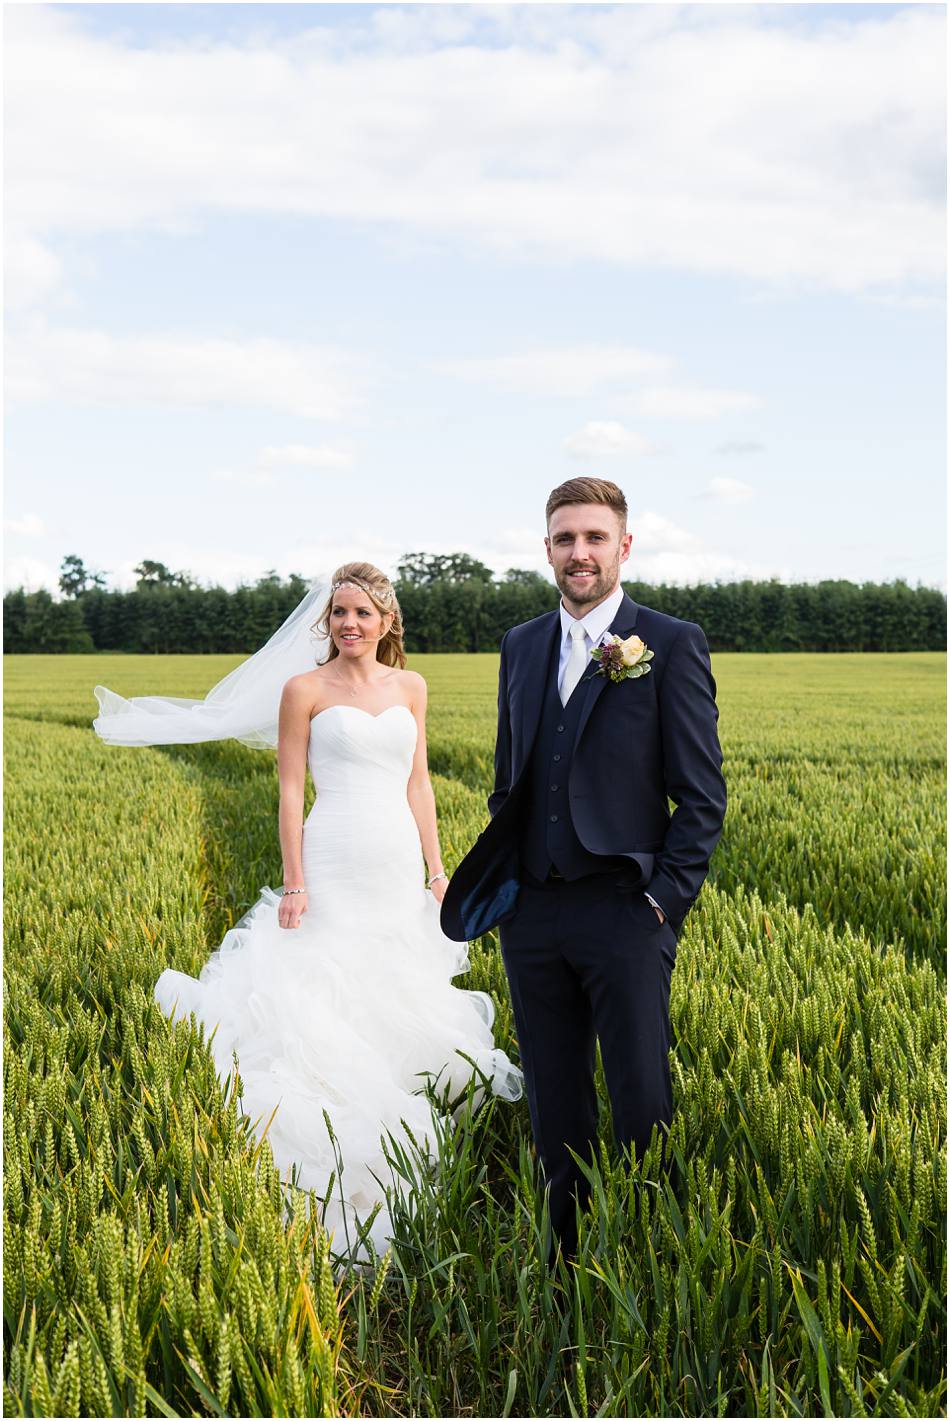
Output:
x=290 y=284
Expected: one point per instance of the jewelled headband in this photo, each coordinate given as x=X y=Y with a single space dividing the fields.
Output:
x=384 y=597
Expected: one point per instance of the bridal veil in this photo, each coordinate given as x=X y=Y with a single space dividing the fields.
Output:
x=243 y=706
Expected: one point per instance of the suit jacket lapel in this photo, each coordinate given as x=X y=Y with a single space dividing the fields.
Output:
x=535 y=672
x=592 y=683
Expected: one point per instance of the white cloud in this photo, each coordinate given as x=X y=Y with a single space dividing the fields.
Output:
x=93 y=367
x=813 y=152
x=513 y=547
x=602 y=438
x=739 y=446
x=29 y=526
x=609 y=372
x=274 y=460
x=30 y=271
x=730 y=491
x=245 y=478
x=209 y=563
x=304 y=456
x=31 y=574
x=579 y=370
x=664 y=552
x=672 y=403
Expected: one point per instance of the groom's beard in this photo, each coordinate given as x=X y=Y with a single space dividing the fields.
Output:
x=588 y=590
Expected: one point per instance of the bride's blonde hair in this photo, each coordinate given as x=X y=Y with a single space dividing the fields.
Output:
x=381 y=593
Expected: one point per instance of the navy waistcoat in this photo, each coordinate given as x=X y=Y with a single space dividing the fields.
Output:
x=549 y=837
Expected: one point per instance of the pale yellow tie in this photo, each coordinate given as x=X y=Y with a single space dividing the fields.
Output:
x=577 y=661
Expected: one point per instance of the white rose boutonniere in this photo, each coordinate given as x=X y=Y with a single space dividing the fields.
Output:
x=622 y=659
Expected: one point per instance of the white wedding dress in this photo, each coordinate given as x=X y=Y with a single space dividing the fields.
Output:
x=354 y=1010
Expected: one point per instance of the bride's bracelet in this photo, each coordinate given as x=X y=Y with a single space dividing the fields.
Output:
x=285 y=892
x=436 y=876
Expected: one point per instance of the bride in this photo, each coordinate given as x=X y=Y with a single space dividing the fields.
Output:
x=335 y=996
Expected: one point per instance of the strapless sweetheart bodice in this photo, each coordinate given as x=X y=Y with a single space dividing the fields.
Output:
x=354 y=753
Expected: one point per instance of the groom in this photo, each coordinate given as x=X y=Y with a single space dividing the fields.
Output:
x=584 y=867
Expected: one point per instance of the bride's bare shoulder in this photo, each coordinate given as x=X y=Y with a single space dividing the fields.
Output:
x=306 y=686
x=413 y=685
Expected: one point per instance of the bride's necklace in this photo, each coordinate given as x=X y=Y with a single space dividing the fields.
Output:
x=353 y=692
x=348 y=689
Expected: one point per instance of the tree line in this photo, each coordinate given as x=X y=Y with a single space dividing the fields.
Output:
x=453 y=602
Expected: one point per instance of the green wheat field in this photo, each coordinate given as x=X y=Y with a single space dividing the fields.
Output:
x=155 y=1263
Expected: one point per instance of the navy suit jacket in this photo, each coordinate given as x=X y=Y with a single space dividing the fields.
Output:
x=639 y=743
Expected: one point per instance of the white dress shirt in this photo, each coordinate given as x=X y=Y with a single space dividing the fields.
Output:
x=595 y=623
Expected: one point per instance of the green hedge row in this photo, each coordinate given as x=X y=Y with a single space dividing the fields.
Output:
x=472 y=615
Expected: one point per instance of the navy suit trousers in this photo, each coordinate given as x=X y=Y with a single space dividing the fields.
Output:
x=589 y=959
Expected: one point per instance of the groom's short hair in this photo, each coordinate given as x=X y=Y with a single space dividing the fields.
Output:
x=588 y=491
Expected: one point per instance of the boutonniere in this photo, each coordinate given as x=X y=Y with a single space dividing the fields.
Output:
x=621 y=659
